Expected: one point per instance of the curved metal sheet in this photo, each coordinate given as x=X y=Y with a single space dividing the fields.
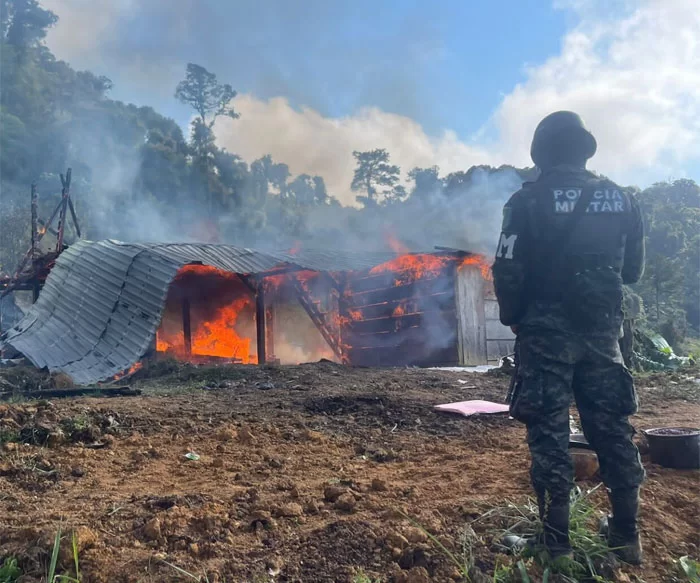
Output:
x=103 y=301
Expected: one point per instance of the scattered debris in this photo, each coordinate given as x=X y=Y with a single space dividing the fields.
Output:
x=72 y=392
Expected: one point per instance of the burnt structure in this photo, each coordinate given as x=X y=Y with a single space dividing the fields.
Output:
x=107 y=304
x=34 y=267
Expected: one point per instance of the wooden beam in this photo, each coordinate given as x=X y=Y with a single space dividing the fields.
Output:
x=248 y=281
x=187 y=326
x=65 y=197
x=75 y=217
x=270 y=332
x=317 y=318
x=260 y=322
x=35 y=226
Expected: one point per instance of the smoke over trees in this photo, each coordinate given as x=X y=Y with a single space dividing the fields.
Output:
x=137 y=176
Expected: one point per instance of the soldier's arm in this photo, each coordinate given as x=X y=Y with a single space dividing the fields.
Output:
x=511 y=263
x=633 y=266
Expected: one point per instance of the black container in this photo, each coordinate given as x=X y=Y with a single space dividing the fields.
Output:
x=674 y=447
x=579 y=441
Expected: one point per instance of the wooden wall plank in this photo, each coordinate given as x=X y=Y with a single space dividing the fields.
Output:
x=470 y=314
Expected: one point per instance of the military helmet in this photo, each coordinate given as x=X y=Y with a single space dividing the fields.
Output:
x=562 y=135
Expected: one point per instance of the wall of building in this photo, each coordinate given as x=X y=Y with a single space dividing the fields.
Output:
x=482 y=337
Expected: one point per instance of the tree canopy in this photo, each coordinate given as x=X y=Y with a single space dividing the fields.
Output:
x=202 y=91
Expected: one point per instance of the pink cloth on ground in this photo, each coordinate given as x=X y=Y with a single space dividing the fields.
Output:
x=468 y=408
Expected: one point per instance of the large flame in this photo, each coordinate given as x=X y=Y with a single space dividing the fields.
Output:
x=218 y=337
x=215 y=337
x=413 y=266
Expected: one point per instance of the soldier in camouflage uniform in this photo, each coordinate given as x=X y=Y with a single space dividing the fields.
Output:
x=558 y=277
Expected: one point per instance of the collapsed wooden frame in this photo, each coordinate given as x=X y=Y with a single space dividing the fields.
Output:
x=32 y=279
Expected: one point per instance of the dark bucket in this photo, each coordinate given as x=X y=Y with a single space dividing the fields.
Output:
x=674 y=447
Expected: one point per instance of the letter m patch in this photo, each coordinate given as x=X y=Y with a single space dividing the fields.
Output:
x=506 y=246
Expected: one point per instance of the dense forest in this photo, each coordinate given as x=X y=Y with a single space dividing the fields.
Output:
x=138 y=176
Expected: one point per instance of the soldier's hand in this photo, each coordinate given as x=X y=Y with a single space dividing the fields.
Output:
x=514 y=330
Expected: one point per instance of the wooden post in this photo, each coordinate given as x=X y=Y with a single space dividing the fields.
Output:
x=187 y=326
x=270 y=331
x=35 y=221
x=344 y=327
x=260 y=320
x=65 y=197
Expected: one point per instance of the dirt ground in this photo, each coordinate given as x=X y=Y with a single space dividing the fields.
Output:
x=304 y=474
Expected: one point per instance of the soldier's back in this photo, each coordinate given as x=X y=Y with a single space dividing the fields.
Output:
x=562 y=251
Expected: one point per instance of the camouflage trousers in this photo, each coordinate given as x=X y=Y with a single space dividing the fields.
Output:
x=557 y=369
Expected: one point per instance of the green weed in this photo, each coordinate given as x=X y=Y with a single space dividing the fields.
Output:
x=52 y=576
x=362 y=577
x=8 y=435
x=10 y=571
x=590 y=550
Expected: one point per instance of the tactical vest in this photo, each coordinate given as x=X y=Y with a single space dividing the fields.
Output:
x=582 y=265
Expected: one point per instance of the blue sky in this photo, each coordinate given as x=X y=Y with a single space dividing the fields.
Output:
x=452 y=83
x=446 y=68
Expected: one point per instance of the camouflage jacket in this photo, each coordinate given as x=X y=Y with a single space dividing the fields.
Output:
x=534 y=255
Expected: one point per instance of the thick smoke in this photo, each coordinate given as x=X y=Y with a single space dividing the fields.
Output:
x=467 y=219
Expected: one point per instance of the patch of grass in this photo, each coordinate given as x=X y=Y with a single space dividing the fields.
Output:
x=53 y=576
x=75 y=424
x=362 y=577
x=687 y=568
x=10 y=571
x=591 y=552
x=8 y=435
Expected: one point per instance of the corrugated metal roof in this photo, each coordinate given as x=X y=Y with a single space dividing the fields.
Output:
x=102 y=302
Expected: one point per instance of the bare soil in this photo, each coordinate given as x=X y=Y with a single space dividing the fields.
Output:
x=304 y=473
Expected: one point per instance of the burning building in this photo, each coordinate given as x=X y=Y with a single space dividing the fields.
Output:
x=106 y=305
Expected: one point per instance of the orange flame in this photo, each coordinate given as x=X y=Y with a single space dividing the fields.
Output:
x=480 y=262
x=296 y=247
x=136 y=366
x=203 y=270
x=413 y=266
x=216 y=337
x=399 y=310
x=355 y=315
x=219 y=338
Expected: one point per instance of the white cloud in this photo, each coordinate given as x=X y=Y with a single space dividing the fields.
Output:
x=630 y=67
x=313 y=144
x=636 y=82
